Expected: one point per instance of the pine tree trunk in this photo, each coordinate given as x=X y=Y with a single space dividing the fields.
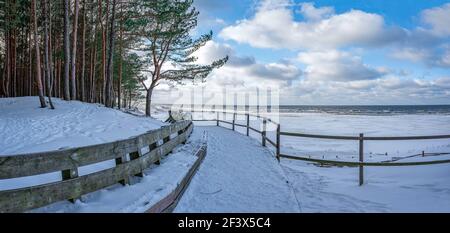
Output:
x=109 y=75
x=92 y=78
x=7 y=66
x=104 y=52
x=14 y=63
x=66 y=88
x=148 y=101
x=47 y=65
x=38 y=59
x=74 y=52
x=83 y=57
x=119 y=85
x=30 y=69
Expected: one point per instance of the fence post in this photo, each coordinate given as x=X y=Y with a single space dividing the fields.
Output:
x=278 y=142
x=361 y=159
x=217 y=119
x=263 y=133
x=248 y=123
x=234 y=120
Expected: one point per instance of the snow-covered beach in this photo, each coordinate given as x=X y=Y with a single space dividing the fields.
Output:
x=26 y=128
x=239 y=175
x=369 y=125
x=386 y=189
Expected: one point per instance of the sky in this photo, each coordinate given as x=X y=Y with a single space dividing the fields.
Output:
x=342 y=52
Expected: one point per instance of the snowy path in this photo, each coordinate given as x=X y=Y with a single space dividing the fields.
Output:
x=237 y=175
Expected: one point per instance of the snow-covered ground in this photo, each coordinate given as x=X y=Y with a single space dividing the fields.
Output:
x=387 y=189
x=26 y=128
x=237 y=175
x=352 y=125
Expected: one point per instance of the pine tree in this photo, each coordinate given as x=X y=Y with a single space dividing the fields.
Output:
x=38 y=57
x=66 y=51
x=166 y=25
x=47 y=59
x=109 y=72
x=73 y=87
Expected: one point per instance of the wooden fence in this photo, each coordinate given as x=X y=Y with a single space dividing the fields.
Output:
x=168 y=204
x=158 y=143
x=360 y=138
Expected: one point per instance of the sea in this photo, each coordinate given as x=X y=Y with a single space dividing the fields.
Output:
x=337 y=109
x=367 y=109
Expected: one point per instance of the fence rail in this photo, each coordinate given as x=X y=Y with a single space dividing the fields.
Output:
x=361 y=138
x=159 y=142
x=365 y=137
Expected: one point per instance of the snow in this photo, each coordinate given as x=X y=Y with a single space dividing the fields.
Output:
x=335 y=189
x=26 y=128
x=237 y=175
x=352 y=125
x=387 y=189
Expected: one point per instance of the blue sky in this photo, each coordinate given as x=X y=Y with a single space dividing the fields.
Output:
x=331 y=52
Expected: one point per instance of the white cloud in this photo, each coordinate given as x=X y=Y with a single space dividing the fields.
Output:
x=438 y=19
x=430 y=56
x=429 y=44
x=331 y=46
x=411 y=54
x=336 y=65
x=390 y=90
x=444 y=60
x=212 y=51
x=275 y=27
x=245 y=70
x=314 y=14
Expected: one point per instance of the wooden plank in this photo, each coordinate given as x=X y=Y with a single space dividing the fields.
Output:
x=247 y=116
x=278 y=146
x=365 y=138
x=355 y=164
x=19 y=200
x=319 y=136
x=240 y=125
x=168 y=203
x=408 y=137
x=45 y=162
x=263 y=133
x=271 y=142
x=234 y=120
x=361 y=159
x=254 y=129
